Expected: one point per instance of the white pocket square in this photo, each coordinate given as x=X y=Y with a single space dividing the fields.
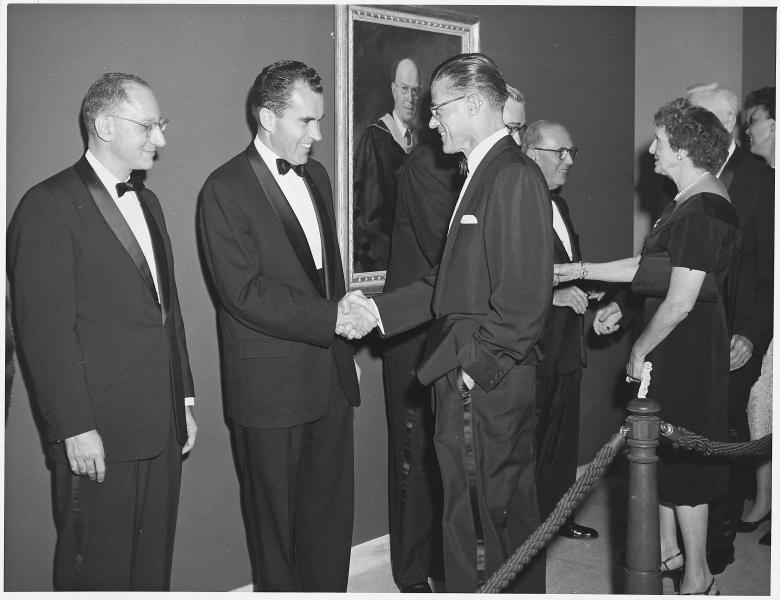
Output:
x=468 y=220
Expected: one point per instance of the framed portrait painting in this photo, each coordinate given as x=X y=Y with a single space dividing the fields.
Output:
x=384 y=60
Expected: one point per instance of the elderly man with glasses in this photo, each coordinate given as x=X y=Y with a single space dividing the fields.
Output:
x=100 y=331
x=559 y=373
x=379 y=156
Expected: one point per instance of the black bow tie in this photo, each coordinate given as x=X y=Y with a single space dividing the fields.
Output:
x=129 y=186
x=463 y=166
x=285 y=166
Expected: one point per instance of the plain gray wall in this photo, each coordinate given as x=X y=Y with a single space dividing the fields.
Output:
x=575 y=65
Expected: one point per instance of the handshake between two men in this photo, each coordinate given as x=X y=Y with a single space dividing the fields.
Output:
x=357 y=316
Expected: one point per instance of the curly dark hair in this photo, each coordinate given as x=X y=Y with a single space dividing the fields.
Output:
x=765 y=97
x=695 y=130
x=274 y=85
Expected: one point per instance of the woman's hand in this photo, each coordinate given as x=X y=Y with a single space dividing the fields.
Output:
x=636 y=363
x=566 y=272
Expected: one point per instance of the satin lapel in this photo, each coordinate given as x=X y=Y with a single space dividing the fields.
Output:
x=727 y=176
x=158 y=246
x=115 y=221
x=329 y=246
x=285 y=215
x=574 y=239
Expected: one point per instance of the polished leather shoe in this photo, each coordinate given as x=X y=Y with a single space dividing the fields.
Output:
x=746 y=526
x=575 y=531
x=718 y=561
x=417 y=588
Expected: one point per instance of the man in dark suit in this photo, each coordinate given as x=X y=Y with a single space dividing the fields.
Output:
x=489 y=297
x=558 y=375
x=750 y=183
x=428 y=187
x=100 y=331
x=268 y=235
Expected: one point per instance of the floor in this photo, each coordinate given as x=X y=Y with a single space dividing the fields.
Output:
x=589 y=567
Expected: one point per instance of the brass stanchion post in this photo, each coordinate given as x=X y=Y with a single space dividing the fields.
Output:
x=643 y=541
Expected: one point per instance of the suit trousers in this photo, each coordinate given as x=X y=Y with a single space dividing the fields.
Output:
x=413 y=478
x=557 y=437
x=485 y=446
x=118 y=535
x=726 y=512
x=297 y=486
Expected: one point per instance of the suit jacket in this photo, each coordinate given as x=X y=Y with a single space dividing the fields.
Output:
x=562 y=341
x=751 y=186
x=428 y=187
x=491 y=291
x=276 y=320
x=88 y=319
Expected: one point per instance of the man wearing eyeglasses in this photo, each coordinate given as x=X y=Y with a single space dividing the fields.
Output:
x=559 y=373
x=100 y=330
x=488 y=296
x=379 y=155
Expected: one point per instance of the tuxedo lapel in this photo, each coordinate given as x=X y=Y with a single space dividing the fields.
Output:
x=158 y=247
x=329 y=248
x=574 y=239
x=285 y=215
x=107 y=207
x=732 y=164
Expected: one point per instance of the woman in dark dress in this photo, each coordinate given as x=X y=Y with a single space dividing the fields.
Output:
x=682 y=272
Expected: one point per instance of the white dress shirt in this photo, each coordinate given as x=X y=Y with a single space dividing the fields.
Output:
x=130 y=207
x=560 y=229
x=477 y=154
x=297 y=195
x=732 y=147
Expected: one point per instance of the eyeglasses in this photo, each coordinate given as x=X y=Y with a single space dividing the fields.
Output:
x=406 y=90
x=517 y=129
x=435 y=107
x=562 y=152
x=149 y=125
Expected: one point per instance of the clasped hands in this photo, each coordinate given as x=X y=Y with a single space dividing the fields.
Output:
x=356 y=316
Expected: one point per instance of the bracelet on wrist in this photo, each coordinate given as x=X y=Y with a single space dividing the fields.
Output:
x=583 y=271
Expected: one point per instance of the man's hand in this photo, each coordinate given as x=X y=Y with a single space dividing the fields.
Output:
x=355 y=316
x=607 y=318
x=741 y=351
x=86 y=456
x=192 y=429
x=573 y=297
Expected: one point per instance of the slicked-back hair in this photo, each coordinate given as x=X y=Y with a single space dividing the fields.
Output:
x=274 y=85
x=105 y=95
x=695 y=130
x=534 y=134
x=474 y=73
x=765 y=97
x=515 y=94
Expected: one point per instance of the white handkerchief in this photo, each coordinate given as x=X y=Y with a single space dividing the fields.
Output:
x=468 y=220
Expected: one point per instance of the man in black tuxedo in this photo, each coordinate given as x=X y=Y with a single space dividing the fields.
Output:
x=489 y=296
x=559 y=374
x=750 y=184
x=100 y=330
x=268 y=236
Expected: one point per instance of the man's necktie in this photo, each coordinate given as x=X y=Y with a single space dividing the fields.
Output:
x=408 y=137
x=133 y=185
x=284 y=166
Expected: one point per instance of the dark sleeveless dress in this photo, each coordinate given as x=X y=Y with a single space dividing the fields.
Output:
x=690 y=373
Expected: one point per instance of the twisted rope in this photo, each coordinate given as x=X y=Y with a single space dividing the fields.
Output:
x=679 y=437
x=539 y=538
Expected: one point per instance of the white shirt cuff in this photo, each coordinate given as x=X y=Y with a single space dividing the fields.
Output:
x=189 y=401
x=378 y=316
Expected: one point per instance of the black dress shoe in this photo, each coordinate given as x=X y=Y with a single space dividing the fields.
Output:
x=718 y=561
x=574 y=531
x=745 y=526
x=417 y=588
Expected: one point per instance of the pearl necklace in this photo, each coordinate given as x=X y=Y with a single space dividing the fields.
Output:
x=689 y=186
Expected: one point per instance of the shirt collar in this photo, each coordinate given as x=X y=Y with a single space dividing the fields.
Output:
x=107 y=178
x=400 y=124
x=481 y=149
x=268 y=155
